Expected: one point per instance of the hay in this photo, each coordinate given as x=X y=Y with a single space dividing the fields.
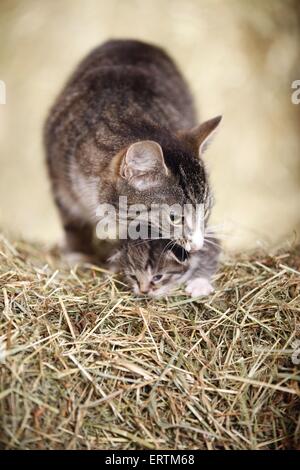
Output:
x=84 y=364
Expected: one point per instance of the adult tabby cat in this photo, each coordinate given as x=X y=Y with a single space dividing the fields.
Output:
x=125 y=125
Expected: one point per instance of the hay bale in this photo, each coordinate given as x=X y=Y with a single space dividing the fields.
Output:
x=84 y=364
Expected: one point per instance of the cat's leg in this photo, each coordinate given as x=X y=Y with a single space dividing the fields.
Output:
x=204 y=265
x=78 y=237
x=199 y=286
x=77 y=245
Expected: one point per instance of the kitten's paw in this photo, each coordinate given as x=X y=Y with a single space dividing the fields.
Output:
x=199 y=286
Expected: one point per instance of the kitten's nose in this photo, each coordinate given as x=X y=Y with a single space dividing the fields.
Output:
x=144 y=288
x=144 y=291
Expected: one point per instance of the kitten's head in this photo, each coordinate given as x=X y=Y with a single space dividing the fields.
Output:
x=152 y=267
x=170 y=171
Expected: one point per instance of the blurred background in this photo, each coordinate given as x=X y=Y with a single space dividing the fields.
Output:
x=240 y=58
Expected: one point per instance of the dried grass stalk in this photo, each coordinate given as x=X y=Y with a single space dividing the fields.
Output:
x=84 y=364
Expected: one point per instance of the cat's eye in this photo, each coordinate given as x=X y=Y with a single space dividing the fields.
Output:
x=176 y=219
x=132 y=277
x=157 y=278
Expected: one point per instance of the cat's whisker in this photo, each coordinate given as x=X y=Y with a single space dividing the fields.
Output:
x=165 y=249
x=214 y=231
x=217 y=229
x=139 y=242
x=217 y=235
x=210 y=242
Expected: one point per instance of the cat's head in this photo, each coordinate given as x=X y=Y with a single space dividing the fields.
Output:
x=170 y=172
x=152 y=267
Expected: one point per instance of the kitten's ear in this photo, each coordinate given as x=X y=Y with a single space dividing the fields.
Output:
x=178 y=253
x=114 y=261
x=115 y=257
x=202 y=135
x=144 y=166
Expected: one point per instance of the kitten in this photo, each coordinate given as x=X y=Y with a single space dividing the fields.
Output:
x=156 y=267
x=125 y=125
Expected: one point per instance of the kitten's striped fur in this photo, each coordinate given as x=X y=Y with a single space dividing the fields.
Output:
x=142 y=262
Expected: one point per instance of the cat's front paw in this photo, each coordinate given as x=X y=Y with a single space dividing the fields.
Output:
x=199 y=286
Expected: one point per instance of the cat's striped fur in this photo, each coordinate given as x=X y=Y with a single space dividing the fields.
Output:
x=124 y=124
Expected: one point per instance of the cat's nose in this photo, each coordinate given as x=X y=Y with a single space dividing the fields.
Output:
x=196 y=243
x=195 y=247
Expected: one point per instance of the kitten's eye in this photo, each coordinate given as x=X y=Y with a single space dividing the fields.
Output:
x=132 y=277
x=157 y=277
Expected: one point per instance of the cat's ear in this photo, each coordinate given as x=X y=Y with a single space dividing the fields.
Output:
x=143 y=165
x=202 y=135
